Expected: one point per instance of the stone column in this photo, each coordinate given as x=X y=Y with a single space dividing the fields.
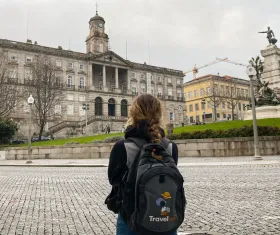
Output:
x=105 y=88
x=90 y=77
x=128 y=82
x=118 y=90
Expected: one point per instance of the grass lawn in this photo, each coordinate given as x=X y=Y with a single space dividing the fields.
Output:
x=227 y=125
x=81 y=140
x=214 y=126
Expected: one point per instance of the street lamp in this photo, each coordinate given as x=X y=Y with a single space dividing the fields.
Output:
x=251 y=73
x=30 y=101
x=86 y=108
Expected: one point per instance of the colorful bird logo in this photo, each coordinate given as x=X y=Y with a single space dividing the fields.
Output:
x=161 y=202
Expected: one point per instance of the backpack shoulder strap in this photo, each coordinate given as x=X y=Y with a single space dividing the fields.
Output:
x=133 y=146
x=167 y=144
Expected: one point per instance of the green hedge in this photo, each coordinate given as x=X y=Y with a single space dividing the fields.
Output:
x=246 y=131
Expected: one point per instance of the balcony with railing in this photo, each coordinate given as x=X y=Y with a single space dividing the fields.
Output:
x=70 y=87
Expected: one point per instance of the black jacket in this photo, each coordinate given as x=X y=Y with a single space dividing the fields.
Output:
x=117 y=164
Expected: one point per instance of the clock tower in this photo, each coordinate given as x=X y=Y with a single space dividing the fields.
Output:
x=97 y=41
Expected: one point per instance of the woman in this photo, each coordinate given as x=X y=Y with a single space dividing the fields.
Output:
x=144 y=122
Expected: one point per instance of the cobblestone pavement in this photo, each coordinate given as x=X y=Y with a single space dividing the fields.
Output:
x=221 y=200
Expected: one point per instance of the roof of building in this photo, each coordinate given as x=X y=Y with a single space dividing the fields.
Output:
x=216 y=77
x=35 y=48
x=97 y=17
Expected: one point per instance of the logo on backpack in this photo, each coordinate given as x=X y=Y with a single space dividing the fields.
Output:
x=162 y=203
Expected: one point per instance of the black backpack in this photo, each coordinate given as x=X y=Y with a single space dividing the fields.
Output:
x=153 y=198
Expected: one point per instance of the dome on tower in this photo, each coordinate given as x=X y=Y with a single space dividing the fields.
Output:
x=97 y=17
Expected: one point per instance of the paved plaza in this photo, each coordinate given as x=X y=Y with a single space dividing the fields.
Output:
x=222 y=199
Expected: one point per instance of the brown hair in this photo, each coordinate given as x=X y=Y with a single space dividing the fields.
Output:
x=147 y=108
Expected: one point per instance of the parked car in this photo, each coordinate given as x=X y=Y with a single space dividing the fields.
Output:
x=43 y=138
x=17 y=141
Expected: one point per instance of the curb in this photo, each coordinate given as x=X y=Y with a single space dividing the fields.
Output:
x=53 y=165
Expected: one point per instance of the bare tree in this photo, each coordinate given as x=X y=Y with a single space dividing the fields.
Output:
x=9 y=90
x=232 y=96
x=47 y=89
x=214 y=95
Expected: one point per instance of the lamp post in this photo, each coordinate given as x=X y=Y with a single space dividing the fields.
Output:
x=86 y=108
x=251 y=73
x=30 y=101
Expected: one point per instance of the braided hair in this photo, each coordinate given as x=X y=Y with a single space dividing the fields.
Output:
x=147 y=108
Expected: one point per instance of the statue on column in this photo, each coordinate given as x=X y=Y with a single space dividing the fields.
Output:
x=270 y=36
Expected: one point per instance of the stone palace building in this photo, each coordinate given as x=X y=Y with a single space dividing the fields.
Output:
x=100 y=78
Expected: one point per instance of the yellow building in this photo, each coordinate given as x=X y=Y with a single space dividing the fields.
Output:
x=226 y=96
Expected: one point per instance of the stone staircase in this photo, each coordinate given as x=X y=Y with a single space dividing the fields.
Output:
x=65 y=124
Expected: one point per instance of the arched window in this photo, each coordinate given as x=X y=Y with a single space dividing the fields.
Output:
x=124 y=108
x=111 y=107
x=98 y=106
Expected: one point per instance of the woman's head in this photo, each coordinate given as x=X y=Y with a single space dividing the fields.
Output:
x=147 y=108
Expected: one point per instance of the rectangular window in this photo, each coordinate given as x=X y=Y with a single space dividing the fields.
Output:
x=218 y=115
x=82 y=82
x=142 y=75
x=238 y=91
x=70 y=109
x=29 y=59
x=185 y=95
x=196 y=107
x=178 y=82
x=81 y=67
x=82 y=98
x=246 y=93
x=82 y=112
x=208 y=90
x=202 y=92
x=195 y=93
x=227 y=90
x=190 y=107
x=170 y=91
x=133 y=75
x=190 y=95
x=159 y=78
x=203 y=106
x=69 y=82
x=100 y=85
x=70 y=65
x=242 y=92
x=13 y=57
x=57 y=109
x=171 y=116
x=134 y=90
x=239 y=106
x=224 y=115
x=168 y=80
x=160 y=91
x=58 y=63
x=209 y=105
x=223 y=105
x=222 y=90
x=179 y=93
x=143 y=87
x=70 y=97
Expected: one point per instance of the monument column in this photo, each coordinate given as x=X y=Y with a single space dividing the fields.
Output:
x=105 y=88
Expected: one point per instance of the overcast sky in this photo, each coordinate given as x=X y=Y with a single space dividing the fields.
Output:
x=170 y=33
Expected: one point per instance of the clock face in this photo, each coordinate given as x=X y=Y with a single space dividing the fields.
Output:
x=100 y=25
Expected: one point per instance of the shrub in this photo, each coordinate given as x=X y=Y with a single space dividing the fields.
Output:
x=8 y=129
x=113 y=139
x=246 y=131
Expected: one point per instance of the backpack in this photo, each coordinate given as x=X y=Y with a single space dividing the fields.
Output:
x=153 y=198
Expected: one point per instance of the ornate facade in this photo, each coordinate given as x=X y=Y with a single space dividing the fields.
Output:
x=100 y=78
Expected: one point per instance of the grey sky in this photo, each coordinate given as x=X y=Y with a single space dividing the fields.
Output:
x=180 y=33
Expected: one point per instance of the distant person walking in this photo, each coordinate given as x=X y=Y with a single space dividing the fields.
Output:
x=108 y=129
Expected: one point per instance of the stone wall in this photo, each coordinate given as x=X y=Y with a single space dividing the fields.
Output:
x=187 y=148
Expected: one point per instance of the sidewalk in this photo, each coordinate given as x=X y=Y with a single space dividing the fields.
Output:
x=190 y=161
